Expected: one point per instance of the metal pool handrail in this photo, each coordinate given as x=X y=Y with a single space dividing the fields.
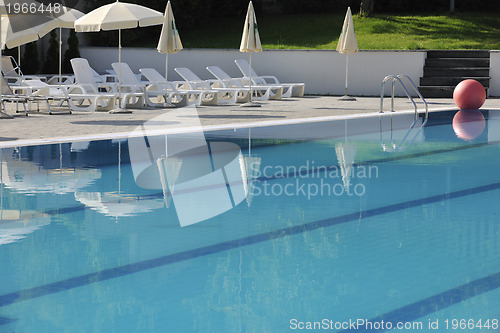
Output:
x=397 y=78
x=406 y=141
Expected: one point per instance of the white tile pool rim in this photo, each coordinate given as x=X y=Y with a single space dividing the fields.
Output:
x=191 y=129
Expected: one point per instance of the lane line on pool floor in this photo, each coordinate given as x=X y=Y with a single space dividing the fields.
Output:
x=410 y=313
x=107 y=274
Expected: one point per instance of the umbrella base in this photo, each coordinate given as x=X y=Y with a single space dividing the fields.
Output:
x=347 y=98
x=120 y=110
x=250 y=105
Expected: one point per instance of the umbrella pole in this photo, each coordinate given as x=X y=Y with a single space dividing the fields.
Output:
x=250 y=74
x=119 y=109
x=250 y=103
x=166 y=75
x=346 y=73
x=119 y=65
x=167 y=104
x=60 y=54
x=347 y=97
x=4 y=112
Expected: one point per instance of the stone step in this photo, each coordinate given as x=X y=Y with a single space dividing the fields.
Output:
x=456 y=72
x=458 y=54
x=438 y=91
x=451 y=81
x=457 y=62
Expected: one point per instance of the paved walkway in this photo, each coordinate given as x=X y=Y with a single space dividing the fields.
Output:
x=41 y=127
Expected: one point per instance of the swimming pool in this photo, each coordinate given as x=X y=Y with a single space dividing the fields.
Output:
x=365 y=224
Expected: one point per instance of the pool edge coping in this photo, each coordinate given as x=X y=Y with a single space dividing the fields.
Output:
x=191 y=129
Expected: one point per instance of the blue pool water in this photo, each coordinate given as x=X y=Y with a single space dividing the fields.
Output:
x=314 y=227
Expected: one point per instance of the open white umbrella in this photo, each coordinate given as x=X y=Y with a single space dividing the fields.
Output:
x=169 y=42
x=250 y=42
x=19 y=29
x=347 y=45
x=117 y=205
x=118 y=16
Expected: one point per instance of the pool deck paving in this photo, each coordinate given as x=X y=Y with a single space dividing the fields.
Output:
x=40 y=127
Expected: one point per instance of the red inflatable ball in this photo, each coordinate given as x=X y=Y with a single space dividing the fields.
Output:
x=469 y=94
x=468 y=125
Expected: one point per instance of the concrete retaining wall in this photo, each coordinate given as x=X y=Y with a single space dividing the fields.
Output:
x=494 y=90
x=323 y=71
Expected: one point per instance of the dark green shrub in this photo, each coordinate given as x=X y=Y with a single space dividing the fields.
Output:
x=71 y=52
x=51 y=65
x=30 y=63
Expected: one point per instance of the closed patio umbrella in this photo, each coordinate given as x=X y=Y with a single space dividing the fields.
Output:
x=118 y=16
x=347 y=44
x=250 y=42
x=169 y=42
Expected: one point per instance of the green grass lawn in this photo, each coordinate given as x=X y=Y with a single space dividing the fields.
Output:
x=381 y=32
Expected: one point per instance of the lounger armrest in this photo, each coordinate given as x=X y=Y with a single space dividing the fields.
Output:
x=245 y=81
x=21 y=90
x=226 y=83
x=65 y=79
x=134 y=88
x=107 y=87
x=109 y=78
x=197 y=85
x=212 y=81
x=182 y=85
x=237 y=82
x=74 y=89
x=36 y=88
x=153 y=86
x=271 y=79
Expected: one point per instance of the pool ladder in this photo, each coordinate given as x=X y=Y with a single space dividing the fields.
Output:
x=407 y=139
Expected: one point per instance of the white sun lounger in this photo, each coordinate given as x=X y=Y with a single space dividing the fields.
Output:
x=51 y=93
x=196 y=97
x=155 y=96
x=260 y=92
x=102 y=97
x=37 y=91
x=9 y=96
x=226 y=95
x=13 y=73
x=292 y=89
x=156 y=81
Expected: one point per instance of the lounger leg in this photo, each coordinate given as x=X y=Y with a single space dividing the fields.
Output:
x=48 y=106
x=299 y=92
x=125 y=102
x=207 y=101
x=4 y=112
x=278 y=94
x=288 y=92
x=181 y=103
